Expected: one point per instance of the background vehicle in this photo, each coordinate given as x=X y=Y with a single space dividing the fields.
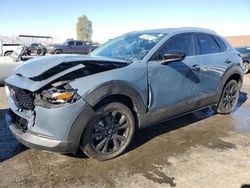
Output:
x=8 y=63
x=71 y=47
x=245 y=55
x=35 y=49
x=7 y=49
x=96 y=102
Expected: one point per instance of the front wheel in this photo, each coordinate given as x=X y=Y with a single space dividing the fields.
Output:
x=58 y=52
x=229 y=97
x=109 y=133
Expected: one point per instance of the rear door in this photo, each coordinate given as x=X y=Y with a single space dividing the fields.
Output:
x=214 y=60
x=175 y=84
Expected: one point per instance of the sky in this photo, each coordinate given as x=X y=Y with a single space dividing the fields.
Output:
x=110 y=18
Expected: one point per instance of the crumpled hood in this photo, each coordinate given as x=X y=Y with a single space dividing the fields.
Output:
x=41 y=71
x=36 y=66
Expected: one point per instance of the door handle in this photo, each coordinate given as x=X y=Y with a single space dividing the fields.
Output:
x=196 y=67
x=228 y=61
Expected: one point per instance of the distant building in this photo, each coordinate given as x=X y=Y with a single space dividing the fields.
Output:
x=243 y=40
x=26 y=39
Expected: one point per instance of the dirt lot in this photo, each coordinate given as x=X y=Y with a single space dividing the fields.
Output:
x=201 y=149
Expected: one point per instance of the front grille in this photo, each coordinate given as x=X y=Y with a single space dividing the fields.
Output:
x=19 y=122
x=22 y=98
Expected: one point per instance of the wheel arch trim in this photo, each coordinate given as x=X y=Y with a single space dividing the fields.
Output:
x=235 y=70
x=117 y=88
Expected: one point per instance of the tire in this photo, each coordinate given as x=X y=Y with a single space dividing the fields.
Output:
x=109 y=133
x=8 y=53
x=246 y=67
x=58 y=52
x=229 y=98
x=39 y=52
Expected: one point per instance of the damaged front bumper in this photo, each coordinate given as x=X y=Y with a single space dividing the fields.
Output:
x=54 y=129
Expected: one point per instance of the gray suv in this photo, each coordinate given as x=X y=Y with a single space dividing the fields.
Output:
x=65 y=102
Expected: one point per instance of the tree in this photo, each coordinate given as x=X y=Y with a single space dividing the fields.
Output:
x=84 y=28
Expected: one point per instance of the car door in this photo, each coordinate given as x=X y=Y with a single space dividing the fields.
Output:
x=214 y=60
x=79 y=47
x=71 y=48
x=176 y=84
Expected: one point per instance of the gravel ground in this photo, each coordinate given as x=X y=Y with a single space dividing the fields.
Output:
x=201 y=149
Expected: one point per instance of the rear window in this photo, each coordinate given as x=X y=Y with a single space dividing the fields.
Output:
x=207 y=44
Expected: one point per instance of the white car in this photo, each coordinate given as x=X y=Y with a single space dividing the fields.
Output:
x=8 y=63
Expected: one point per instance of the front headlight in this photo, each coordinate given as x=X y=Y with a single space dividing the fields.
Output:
x=57 y=96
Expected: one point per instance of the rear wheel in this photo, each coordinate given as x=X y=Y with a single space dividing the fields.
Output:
x=246 y=67
x=229 y=98
x=109 y=133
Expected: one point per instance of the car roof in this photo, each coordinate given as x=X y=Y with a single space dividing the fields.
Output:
x=180 y=29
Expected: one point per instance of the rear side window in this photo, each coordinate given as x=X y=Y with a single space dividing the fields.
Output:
x=182 y=43
x=207 y=44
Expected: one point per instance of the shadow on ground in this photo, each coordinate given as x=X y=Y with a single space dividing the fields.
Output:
x=144 y=135
x=9 y=146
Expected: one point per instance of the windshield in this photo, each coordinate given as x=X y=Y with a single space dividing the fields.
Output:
x=129 y=47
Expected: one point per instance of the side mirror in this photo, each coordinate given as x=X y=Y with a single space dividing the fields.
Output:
x=173 y=56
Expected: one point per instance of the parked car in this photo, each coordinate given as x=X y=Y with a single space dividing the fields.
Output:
x=71 y=47
x=35 y=49
x=245 y=55
x=96 y=102
x=7 y=49
x=8 y=63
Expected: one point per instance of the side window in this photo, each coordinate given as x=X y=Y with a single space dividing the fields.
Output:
x=181 y=43
x=79 y=43
x=71 y=43
x=222 y=45
x=207 y=44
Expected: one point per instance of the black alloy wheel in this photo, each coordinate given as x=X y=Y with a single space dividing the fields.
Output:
x=109 y=133
x=229 y=98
